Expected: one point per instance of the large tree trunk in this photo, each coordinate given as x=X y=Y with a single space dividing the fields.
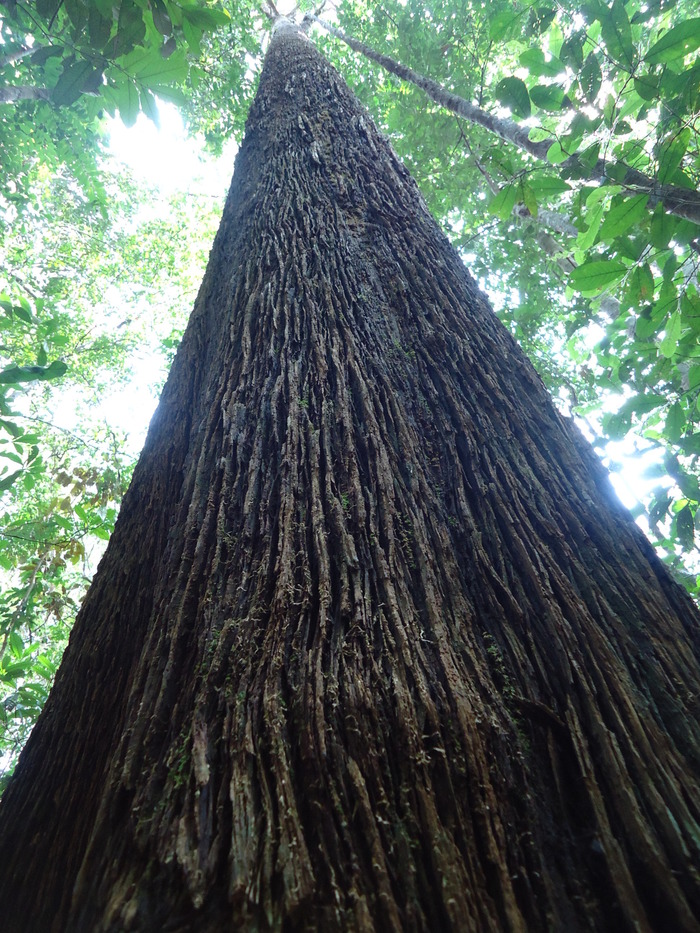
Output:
x=373 y=646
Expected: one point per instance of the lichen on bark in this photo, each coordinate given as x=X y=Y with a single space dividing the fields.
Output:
x=373 y=647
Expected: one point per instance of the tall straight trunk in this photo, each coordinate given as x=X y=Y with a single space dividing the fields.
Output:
x=373 y=646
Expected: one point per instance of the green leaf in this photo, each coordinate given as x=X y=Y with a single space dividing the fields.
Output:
x=685 y=527
x=47 y=8
x=571 y=52
x=528 y=197
x=69 y=86
x=539 y=20
x=168 y=47
x=23 y=314
x=16 y=644
x=193 y=35
x=205 y=18
x=609 y=108
x=161 y=20
x=154 y=70
x=555 y=153
x=546 y=186
x=642 y=281
x=8 y=481
x=642 y=403
x=149 y=106
x=668 y=296
x=534 y=60
x=172 y=94
x=589 y=156
x=592 y=276
x=131 y=29
x=591 y=77
x=77 y=12
x=549 y=97
x=504 y=202
x=615 y=426
x=647 y=86
x=671 y=154
x=44 y=52
x=15 y=374
x=10 y=672
x=675 y=422
x=624 y=215
x=503 y=25
x=11 y=427
x=617 y=33
x=672 y=334
x=691 y=444
x=586 y=238
x=512 y=93
x=54 y=370
x=663 y=226
x=99 y=27
x=127 y=97
x=678 y=42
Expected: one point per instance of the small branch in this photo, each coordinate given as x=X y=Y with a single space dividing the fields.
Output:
x=544 y=218
x=57 y=427
x=11 y=94
x=20 y=281
x=683 y=202
x=24 y=602
x=15 y=56
x=560 y=223
x=53 y=18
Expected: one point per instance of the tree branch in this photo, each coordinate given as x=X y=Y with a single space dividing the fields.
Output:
x=11 y=94
x=15 y=56
x=683 y=202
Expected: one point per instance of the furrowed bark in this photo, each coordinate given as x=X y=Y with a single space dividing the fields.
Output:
x=373 y=646
x=684 y=202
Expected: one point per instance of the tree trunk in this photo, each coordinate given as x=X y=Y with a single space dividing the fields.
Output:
x=373 y=647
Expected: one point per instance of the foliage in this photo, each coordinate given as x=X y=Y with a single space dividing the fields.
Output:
x=81 y=269
x=61 y=486
x=112 y=56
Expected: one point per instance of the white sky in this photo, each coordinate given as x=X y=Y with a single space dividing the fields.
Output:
x=166 y=159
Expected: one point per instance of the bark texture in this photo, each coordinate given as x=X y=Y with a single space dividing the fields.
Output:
x=374 y=647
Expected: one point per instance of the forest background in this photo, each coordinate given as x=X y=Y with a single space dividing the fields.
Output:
x=564 y=169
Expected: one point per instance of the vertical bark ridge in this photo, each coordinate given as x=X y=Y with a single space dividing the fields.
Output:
x=389 y=655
